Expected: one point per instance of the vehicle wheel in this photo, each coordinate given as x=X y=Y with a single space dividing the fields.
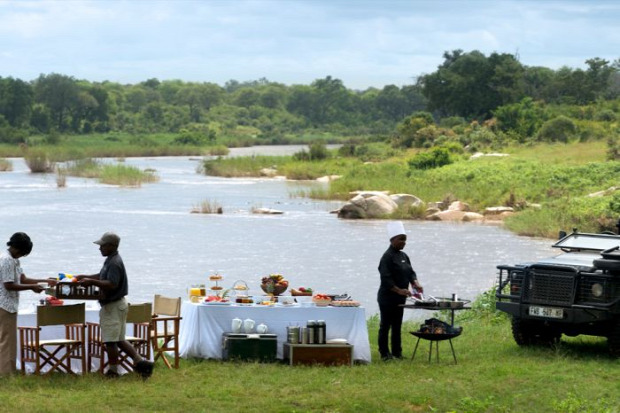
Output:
x=528 y=333
x=613 y=341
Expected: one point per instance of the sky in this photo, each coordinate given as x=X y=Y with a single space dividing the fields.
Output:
x=364 y=43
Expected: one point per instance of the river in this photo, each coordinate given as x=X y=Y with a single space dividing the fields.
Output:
x=166 y=248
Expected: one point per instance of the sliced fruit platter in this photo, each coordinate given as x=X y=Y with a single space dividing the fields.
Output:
x=216 y=300
x=301 y=291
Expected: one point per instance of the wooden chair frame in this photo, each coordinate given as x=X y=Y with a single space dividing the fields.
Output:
x=56 y=354
x=139 y=315
x=165 y=329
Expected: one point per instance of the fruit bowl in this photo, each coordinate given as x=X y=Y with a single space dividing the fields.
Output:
x=321 y=300
x=274 y=289
x=274 y=284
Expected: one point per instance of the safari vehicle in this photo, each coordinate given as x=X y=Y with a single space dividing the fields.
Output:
x=576 y=292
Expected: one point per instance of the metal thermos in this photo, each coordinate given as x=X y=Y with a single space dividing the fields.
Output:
x=311 y=332
x=304 y=335
x=321 y=330
x=292 y=334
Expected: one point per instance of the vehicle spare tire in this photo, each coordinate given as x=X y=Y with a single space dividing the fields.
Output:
x=607 y=264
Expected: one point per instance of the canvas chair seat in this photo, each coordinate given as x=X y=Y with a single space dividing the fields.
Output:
x=139 y=315
x=55 y=354
x=165 y=329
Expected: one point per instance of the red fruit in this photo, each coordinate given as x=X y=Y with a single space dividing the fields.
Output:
x=302 y=289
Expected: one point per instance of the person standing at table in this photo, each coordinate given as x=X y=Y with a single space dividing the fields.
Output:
x=112 y=281
x=396 y=275
x=13 y=281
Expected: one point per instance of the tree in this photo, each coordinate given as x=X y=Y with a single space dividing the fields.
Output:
x=16 y=99
x=58 y=93
x=471 y=85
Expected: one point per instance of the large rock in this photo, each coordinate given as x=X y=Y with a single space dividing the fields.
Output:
x=447 y=215
x=406 y=201
x=368 y=205
x=458 y=206
x=328 y=178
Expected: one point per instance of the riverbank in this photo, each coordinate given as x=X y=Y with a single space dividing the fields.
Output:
x=550 y=186
x=493 y=374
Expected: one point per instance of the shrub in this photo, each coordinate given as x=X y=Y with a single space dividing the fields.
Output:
x=5 y=165
x=605 y=115
x=434 y=158
x=38 y=161
x=560 y=129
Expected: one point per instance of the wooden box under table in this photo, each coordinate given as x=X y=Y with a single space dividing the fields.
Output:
x=325 y=354
x=248 y=347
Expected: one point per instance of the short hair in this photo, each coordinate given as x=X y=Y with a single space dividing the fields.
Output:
x=21 y=241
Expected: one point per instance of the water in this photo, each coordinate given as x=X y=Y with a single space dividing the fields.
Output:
x=166 y=248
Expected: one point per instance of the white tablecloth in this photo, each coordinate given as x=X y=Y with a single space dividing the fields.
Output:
x=203 y=325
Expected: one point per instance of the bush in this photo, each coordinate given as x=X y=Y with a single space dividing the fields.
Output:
x=560 y=129
x=434 y=158
x=5 y=165
x=38 y=161
x=606 y=115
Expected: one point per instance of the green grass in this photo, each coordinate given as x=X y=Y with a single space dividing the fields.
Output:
x=493 y=374
x=5 y=165
x=558 y=177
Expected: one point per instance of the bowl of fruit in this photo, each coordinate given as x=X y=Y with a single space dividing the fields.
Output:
x=274 y=284
x=321 y=300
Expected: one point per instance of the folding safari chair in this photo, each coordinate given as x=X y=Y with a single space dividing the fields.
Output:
x=56 y=353
x=165 y=333
x=139 y=315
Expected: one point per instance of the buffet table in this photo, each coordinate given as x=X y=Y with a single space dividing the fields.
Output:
x=203 y=325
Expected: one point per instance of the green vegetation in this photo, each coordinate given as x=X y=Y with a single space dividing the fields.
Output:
x=493 y=374
x=5 y=165
x=560 y=128
x=207 y=207
x=118 y=174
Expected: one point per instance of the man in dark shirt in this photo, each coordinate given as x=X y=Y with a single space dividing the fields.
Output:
x=396 y=275
x=112 y=281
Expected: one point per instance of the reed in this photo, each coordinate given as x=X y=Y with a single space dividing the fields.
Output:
x=125 y=175
x=207 y=207
x=38 y=161
x=5 y=165
x=61 y=177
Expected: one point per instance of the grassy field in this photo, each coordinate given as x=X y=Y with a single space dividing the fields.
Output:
x=493 y=374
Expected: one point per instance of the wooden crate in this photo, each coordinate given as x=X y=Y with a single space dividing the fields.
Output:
x=71 y=291
x=323 y=354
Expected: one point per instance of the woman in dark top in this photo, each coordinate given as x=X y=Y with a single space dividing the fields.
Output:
x=396 y=276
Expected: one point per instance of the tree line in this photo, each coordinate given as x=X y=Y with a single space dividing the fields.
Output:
x=467 y=86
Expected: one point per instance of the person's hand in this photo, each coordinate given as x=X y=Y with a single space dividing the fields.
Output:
x=404 y=291
x=37 y=288
x=85 y=282
x=51 y=281
x=79 y=277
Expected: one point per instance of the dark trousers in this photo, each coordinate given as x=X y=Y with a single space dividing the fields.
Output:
x=391 y=318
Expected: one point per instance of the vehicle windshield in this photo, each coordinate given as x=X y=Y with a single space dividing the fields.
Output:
x=596 y=242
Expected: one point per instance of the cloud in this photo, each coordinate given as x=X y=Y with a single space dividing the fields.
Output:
x=363 y=43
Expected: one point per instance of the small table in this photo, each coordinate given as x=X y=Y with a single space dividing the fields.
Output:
x=432 y=337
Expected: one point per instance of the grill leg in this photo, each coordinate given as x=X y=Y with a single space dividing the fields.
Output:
x=453 y=353
x=415 y=349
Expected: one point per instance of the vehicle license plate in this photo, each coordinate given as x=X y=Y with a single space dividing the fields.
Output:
x=547 y=312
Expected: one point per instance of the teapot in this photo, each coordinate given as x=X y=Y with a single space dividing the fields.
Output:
x=248 y=325
x=236 y=325
x=262 y=328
